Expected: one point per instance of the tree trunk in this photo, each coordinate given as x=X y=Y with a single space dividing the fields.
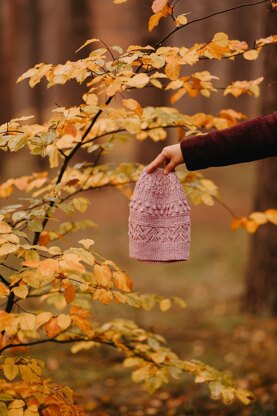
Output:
x=261 y=290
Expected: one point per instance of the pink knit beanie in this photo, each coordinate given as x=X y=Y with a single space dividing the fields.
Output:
x=159 y=220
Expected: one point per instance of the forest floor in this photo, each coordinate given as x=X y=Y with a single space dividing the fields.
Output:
x=212 y=328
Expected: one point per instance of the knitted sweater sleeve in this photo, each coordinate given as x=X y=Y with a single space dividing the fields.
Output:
x=247 y=141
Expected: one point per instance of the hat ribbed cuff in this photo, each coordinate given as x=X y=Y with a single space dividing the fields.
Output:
x=159 y=252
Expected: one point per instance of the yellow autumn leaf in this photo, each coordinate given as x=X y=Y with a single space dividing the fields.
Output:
x=165 y=305
x=35 y=74
x=265 y=41
x=142 y=373
x=90 y=99
x=172 y=70
x=82 y=345
x=156 y=83
x=138 y=81
x=228 y=394
x=28 y=375
x=119 y=297
x=251 y=55
x=81 y=204
x=179 y=301
x=207 y=199
x=30 y=412
x=103 y=275
x=216 y=389
x=240 y=87
x=221 y=39
x=103 y=295
x=53 y=154
x=10 y=370
x=158 y=357
x=181 y=20
x=87 y=243
x=20 y=291
x=42 y=318
x=88 y=42
x=133 y=105
x=245 y=396
x=5 y=228
x=16 y=404
x=64 y=321
x=27 y=321
x=7 y=248
x=258 y=217
x=15 y=412
x=132 y=362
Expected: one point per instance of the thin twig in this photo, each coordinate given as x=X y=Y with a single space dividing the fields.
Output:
x=158 y=44
x=226 y=207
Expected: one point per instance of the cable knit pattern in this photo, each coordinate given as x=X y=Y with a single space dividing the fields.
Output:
x=159 y=220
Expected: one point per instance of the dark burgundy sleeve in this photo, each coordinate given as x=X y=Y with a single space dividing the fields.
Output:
x=247 y=141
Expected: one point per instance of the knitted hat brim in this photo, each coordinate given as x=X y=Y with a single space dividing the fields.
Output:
x=159 y=252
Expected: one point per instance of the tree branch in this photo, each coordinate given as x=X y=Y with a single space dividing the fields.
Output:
x=55 y=340
x=158 y=44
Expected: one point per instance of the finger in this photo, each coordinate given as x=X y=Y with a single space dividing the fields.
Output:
x=169 y=167
x=156 y=163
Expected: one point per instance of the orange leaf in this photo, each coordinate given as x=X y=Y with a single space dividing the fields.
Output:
x=4 y=290
x=83 y=324
x=52 y=328
x=122 y=281
x=154 y=21
x=238 y=222
x=69 y=128
x=44 y=238
x=69 y=292
x=251 y=226
x=271 y=215
x=78 y=310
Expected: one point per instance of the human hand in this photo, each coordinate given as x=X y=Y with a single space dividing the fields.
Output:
x=170 y=155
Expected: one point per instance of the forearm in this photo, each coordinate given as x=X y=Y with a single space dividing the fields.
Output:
x=251 y=140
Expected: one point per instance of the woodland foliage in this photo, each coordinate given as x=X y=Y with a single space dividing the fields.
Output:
x=67 y=281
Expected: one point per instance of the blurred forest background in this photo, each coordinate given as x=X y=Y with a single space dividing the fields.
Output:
x=230 y=275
